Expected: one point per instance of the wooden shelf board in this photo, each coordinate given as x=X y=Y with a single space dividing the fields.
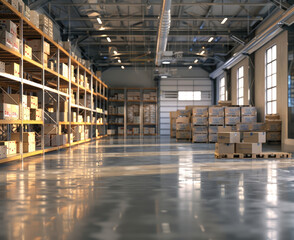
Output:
x=31 y=122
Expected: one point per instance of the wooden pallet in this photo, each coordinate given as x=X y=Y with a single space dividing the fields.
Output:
x=253 y=155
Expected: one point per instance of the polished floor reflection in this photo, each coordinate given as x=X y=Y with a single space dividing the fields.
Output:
x=138 y=189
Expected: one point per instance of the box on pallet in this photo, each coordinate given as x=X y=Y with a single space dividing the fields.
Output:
x=183 y=127
x=273 y=126
x=225 y=148
x=216 y=111
x=228 y=137
x=199 y=129
x=254 y=137
x=200 y=111
x=213 y=129
x=11 y=147
x=212 y=120
x=183 y=134
x=183 y=120
x=184 y=113
x=229 y=120
x=59 y=140
x=249 y=119
x=200 y=138
x=223 y=129
x=232 y=111
x=273 y=136
x=248 y=111
x=201 y=121
x=212 y=138
x=27 y=137
x=249 y=148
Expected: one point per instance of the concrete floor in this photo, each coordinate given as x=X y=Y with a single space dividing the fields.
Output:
x=151 y=189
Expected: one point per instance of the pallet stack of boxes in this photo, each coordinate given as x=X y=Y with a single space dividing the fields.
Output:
x=173 y=118
x=273 y=127
x=37 y=54
x=8 y=148
x=183 y=125
x=29 y=141
x=200 y=124
x=215 y=119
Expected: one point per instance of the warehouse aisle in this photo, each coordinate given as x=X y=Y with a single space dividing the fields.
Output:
x=146 y=189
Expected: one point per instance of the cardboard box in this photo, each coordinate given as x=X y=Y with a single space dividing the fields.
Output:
x=13 y=69
x=183 y=120
x=59 y=140
x=34 y=18
x=224 y=148
x=37 y=56
x=64 y=70
x=14 y=99
x=200 y=111
x=9 y=40
x=32 y=102
x=11 y=147
x=26 y=113
x=111 y=132
x=9 y=111
x=216 y=120
x=213 y=129
x=212 y=138
x=120 y=130
x=216 y=111
x=2 y=67
x=249 y=119
x=273 y=136
x=27 y=147
x=183 y=127
x=28 y=137
x=248 y=111
x=9 y=26
x=183 y=134
x=273 y=126
x=28 y=51
x=201 y=138
x=257 y=127
x=228 y=137
x=254 y=137
x=13 y=3
x=36 y=45
x=36 y=114
x=199 y=129
x=232 y=120
x=243 y=127
x=184 y=113
x=232 y=111
x=226 y=129
x=3 y=151
x=272 y=117
x=249 y=148
x=201 y=121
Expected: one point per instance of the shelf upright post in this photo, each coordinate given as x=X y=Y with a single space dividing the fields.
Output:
x=91 y=116
x=85 y=104
x=70 y=77
x=156 y=112
x=125 y=113
x=95 y=108
x=141 y=113
x=21 y=89
x=78 y=96
x=58 y=92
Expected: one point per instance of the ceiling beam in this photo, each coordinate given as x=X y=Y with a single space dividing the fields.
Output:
x=155 y=18
x=128 y=4
x=144 y=43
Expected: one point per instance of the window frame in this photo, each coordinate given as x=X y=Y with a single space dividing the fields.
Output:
x=222 y=87
x=193 y=93
x=240 y=98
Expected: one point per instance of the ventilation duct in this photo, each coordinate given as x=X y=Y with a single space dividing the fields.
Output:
x=163 y=30
x=257 y=42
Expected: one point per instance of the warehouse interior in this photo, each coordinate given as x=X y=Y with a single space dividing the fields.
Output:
x=146 y=119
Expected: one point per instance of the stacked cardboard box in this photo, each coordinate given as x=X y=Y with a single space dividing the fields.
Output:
x=46 y=25
x=29 y=141
x=120 y=130
x=111 y=132
x=226 y=142
x=133 y=114
x=215 y=118
x=248 y=115
x=9 y=106
x=200 y=124
x=34 y=18
x=8 y=34
x=183 y=124
x=149 y=96
x=149 y=113
x=173 y=117
x=133 y=96
x=273 y=127
x=232 y=116
x=37 y=54
x=3 y=151
x=11 y=147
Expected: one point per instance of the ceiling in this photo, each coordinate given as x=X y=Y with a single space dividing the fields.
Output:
x=132 y=25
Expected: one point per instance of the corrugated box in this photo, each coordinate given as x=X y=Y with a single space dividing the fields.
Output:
x=13 y=3
x=183 y=127
x=243 y=127
x=257 y=127
x=27 y=137
x=232 y=120
x=3 y=152
x=225 y=129
x=216 y=120
x=201 y=138
x=224 y=148
x=232 y=111
x=7 y=39
x=28 y=51
x=273 y=136
x=249 y=148
x=120 y=130
x=183 y=113
x=136 y=131
x=183 y=134
x=183 y=120
x=200 y=111
x=213 y=129
x=9 y=111
x=11 y=147
x=37 y=56
x=9 y=26
x=212 y=138
x=228 y=137
x=14 y=99
x=248 y=111
x=273 y=126
x=199 y=129
x=272 y=117
x=202 y=121
x=36 y=45
x=216 y=111
x=13 y=69
x=254 y=137
x=26 y=113
x=59 y=140
x=32 y=102
x=27 y=147
x=249 y=119
x=2 y=67
x=36 y=114
x=110 y=132
x=34 y=18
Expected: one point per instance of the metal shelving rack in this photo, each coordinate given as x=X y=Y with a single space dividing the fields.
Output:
x=125 y=104
x=48 y=83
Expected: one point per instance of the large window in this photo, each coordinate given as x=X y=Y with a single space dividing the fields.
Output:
x=240 y=86
x=271 y=80
x=222 y=89
x=189 y=95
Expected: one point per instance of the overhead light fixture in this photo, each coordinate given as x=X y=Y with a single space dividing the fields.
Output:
x=224 y=20
x=210 y=39
x=115 y=52
x=108 y=39
x=196 y=61
x=102 y=28
x=99 y=20
x=166 y=62
x=236 y=39
x=190 y=67
x=119 y=61
x=122 y=67
x=202 y=52
x=163 y=76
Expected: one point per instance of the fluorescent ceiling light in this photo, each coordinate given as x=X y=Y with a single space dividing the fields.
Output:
x=163 y=76
x=99 y=20
x=122 y=67
x=102 y=28
x=196 y=61
x=210 y=39
x=166 y=62
x=224 y=20
x=119 y=60
x=202 y=52
x=108 y=39
x=115 y=52
x=190 y=67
